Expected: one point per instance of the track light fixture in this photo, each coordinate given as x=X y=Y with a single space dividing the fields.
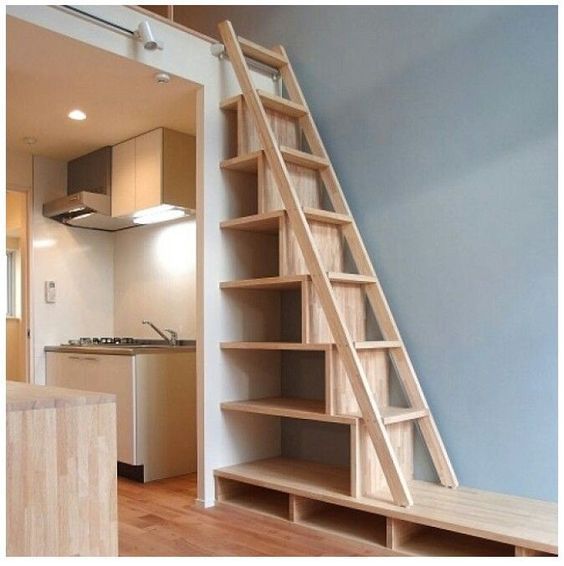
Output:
x=144 y=34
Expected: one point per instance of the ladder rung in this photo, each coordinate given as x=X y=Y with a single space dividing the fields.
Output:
x=302 y=158
x=282 y=105
x=377 y=345
x=249 y=162
x=270 y=101
x=327 y=216
x=351 y=278
x=262 y=54
x=392 y=415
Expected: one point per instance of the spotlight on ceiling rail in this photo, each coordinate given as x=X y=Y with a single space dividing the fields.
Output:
x=144 y=34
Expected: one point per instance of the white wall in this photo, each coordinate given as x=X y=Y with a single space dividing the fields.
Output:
x=19 y=170
x=79 y=261
x=189 y=57
x=155 y=279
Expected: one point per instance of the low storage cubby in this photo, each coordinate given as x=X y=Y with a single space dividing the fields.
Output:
x=338 y=520
x=420 y=540
x=252 y=498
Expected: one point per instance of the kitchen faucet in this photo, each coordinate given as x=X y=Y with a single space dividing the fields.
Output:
x=172 y=340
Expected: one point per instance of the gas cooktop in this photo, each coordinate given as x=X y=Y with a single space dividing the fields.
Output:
x=106 y=340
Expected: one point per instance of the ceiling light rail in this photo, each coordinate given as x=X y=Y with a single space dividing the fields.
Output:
x=143 y=33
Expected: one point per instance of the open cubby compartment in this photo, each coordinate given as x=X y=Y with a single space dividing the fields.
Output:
x=360 y=526
x=242 y=129
x=421 y=540
x=266 y=315
x=300 y=377
x=251 y=497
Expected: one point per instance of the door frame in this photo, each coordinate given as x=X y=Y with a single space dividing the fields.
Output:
x=26 y=317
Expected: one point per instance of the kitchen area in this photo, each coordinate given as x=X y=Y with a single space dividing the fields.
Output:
x=108 y=160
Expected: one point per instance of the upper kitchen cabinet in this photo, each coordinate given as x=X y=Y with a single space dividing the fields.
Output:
x=153 y=169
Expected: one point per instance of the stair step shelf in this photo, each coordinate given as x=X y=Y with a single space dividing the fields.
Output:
x=269 y=222
x=315 y=410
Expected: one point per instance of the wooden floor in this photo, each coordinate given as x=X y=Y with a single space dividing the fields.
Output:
x=161 y=519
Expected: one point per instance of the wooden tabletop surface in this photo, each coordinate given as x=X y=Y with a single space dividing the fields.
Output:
x=25 y=396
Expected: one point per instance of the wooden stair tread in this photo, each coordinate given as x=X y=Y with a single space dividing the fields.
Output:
x=280 y=283
x=245 y=163
x=240 y=345
x=230 y=103
x=262 y=54
x=291 y=407
x=309 y=409
x=493 y=516
x=248 y=162
x=282 y=105
x=266 y=222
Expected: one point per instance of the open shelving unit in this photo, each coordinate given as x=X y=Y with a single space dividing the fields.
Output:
x=318 y=320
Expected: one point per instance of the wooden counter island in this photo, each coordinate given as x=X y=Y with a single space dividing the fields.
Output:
x=61 y=485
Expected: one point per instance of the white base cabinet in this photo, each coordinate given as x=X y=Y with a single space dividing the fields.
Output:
x=155 y=402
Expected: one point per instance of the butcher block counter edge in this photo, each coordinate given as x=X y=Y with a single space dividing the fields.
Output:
x=26 y=396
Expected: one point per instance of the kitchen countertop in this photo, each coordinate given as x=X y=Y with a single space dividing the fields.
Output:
x=26 y=396
x=125 y=350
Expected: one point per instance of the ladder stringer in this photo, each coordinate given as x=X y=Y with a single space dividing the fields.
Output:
x=359 y=383
x=375 y=293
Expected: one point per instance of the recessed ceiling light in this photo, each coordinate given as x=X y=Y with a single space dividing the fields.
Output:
x=76 y=115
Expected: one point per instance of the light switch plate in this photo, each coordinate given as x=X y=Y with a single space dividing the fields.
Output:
x=50 y=292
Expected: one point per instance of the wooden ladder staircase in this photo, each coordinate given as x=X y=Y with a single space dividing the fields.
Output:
x=312 y=247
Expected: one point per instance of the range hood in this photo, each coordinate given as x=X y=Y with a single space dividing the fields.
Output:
x=86 y=210
x=88 y=201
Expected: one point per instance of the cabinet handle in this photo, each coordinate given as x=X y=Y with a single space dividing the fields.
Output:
x=89 y=358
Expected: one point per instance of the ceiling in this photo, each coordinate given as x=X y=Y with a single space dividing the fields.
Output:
x=48 y=74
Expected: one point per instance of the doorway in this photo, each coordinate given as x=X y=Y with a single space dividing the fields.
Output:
x=17 y=285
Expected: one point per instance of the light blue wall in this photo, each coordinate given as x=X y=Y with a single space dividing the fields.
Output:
x=441 y=123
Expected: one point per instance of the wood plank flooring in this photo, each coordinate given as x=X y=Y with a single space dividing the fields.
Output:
x=161 y=518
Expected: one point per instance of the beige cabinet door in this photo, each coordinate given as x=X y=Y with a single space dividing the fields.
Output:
x=148 y=169
x=105 y=374
x=123 y=178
